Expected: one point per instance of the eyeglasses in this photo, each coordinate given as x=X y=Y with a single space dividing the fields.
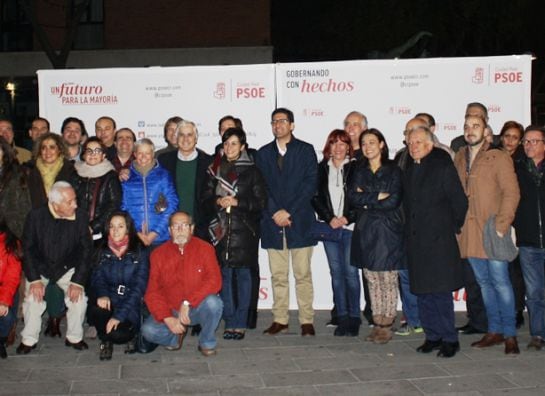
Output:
x=181 y=226
x=532 y=142
x=89 y=151
x=280 y=121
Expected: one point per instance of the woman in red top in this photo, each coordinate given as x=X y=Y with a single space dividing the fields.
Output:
x=10 y=275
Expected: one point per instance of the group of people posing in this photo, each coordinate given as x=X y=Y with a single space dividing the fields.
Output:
x=149 y=245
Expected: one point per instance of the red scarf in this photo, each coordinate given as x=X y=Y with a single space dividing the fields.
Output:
x=118 y=248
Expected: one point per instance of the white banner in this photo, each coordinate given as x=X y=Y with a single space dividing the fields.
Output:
x=388 y=92
x=144 y=98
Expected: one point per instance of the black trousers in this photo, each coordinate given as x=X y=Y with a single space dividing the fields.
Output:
x=99 y=317
x=515 y=273
x=436 y=311
x=476 y=311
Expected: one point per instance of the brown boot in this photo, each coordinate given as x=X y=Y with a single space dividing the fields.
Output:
x=53 y=328
x=12 y=335
x=511 y=346
x=385 y=331
x=376 y=319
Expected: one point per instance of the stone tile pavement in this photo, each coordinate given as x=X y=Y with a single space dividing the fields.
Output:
x=280 y=365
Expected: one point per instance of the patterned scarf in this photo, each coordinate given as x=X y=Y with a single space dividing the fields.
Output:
x=118 y=248
x=49 y=172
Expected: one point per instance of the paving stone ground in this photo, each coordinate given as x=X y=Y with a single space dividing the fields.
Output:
x=287 y=364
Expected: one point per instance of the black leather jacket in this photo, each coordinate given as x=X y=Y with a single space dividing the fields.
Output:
x=322 y=199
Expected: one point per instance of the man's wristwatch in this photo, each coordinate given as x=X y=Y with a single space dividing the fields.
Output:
x=186 y=303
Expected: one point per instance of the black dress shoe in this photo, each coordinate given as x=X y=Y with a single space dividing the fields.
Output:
x=429 y=346
x=24 y=349
x=448 y=349
x=463 y=328
x=106 y=350
x=468 y=329
x=80 y=346
x=3 y=352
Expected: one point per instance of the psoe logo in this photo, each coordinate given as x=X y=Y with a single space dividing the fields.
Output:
x=313 y=113
x=219 y=92
x=478 y=76
x=507 y=77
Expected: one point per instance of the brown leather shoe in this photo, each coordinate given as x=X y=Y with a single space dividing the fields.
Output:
x=207 y=351
x=276 y=328
x=53 y=328
x=489 y=339
x=511 y=346
x=179 y=343
x=307 y=329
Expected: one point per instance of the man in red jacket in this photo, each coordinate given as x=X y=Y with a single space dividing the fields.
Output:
x=183 y=289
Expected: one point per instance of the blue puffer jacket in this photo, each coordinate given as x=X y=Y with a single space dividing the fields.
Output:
x=150 y=199
x=124 y=281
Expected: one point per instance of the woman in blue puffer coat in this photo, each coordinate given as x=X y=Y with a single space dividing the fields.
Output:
x=119 y=282
x=149 y=195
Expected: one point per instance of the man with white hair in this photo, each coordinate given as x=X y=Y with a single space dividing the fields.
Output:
x=187 y=165
x=57 y=248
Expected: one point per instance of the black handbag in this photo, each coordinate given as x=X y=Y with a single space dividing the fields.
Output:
x=322 y=231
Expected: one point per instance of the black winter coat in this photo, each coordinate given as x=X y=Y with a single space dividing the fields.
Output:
x=377 y=242
x=38 y=197
x=322 y=200
x=108 y=198
x=530 y=216
x=239 y=247
x=124 y=281
x=435 y=208
x=53 y=246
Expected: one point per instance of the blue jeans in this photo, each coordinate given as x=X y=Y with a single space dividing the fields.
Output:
x=345 y=279
x=409 y=301
x=532 y=261
x=207 y=314
x=6 y=322
x=235 y=294
x=499 y=300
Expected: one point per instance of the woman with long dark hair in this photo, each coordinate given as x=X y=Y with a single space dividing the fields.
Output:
x=14 y=194
x=234 y=196
x=331 y=205
x=97 y=186
x=119 y=282
x=377 y=244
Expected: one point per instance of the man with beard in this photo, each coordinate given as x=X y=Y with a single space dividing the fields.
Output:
x=490 y=183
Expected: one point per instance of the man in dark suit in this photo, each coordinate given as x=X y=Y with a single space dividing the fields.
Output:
x=435 y=206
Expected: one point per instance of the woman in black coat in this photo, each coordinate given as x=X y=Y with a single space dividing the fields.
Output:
x=377 y=244
x=119 y=282
x=234 y=196
x=332 y=206
x=97 y=186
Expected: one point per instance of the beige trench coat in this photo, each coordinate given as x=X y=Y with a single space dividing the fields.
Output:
x=492 y=189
